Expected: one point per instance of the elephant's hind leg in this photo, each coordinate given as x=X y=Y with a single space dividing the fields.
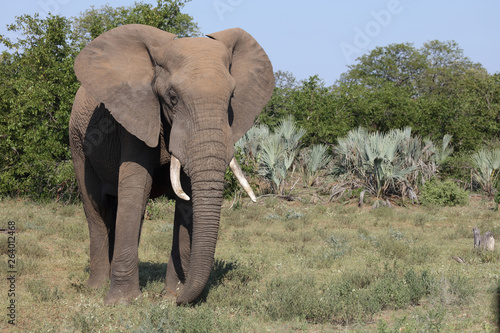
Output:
x=100 y=211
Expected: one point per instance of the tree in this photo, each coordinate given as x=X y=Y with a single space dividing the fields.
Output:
x=166 y=16
x=280 y=103
x=38 y=85
x=38 y=88
x=319 y=111
x=434 y=89
x=399 y=64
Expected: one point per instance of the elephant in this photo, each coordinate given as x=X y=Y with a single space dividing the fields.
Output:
x=159 y=115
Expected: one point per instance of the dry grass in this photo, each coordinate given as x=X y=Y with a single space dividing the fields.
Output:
x=280 y=266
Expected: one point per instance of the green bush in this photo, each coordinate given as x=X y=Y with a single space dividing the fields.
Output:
x=38 y=86
x=42 y=292
x=443 y=193
x=345 y=301
x=457 y=166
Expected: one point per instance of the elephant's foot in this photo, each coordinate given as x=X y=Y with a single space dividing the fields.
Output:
x=118 y=296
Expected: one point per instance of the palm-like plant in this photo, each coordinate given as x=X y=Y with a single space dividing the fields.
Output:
x=290 y=135
x=383 y=162
x=486 y=166
x=250 y=142
x=272 y=162
x=274 y=152
x=387 y=163
x=314 y=161
x=443 y=152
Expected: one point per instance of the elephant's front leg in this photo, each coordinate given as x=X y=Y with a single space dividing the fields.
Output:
x=133 y=192
x=178 y=264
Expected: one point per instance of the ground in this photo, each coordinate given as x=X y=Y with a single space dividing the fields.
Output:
x=280 y=266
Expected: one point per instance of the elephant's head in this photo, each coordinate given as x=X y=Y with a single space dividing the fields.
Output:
x=206 y=91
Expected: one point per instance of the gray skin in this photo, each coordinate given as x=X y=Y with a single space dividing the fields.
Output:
x=145 y=98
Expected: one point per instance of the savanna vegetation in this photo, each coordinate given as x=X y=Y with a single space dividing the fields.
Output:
x=366 y=188
x=281 y=266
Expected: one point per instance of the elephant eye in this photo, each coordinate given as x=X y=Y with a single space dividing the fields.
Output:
x=173 y=97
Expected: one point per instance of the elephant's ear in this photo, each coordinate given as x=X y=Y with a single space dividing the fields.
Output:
x=117 y=69
x=253 y=73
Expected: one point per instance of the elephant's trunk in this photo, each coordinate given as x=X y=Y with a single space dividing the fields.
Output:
x=206 y=217
x=209 y=158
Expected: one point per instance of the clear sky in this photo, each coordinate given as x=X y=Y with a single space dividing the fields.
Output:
x=323 y=37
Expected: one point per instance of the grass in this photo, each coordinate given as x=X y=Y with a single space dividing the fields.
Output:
x=280 y=266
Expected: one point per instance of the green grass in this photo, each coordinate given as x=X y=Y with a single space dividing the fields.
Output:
x=280 y=266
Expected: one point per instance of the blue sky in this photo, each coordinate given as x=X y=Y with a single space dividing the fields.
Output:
x=319 y=36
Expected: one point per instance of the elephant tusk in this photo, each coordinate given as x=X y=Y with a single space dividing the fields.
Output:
x=175 y=178
x=241 y=178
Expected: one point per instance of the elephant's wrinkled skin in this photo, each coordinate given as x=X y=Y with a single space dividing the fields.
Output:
x=148 y=100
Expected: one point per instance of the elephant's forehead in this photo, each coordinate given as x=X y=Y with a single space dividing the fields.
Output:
x=198 y=49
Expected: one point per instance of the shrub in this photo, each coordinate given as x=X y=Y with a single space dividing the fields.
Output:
x=457 y=166
x=42 y=292
x=443 y=193
x=314 y=159
x=395 y=162
x=486 y=164
x=344 y=301
x=278 y=152
x=273 y=152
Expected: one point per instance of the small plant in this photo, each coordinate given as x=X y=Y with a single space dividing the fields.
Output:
x=278 y=152
x=420 y=220
x=486 y=164
x=42 y=292
x=338 y=247
x=395 y=162
x=443 y=193
x=497 y=200
x=314 y=160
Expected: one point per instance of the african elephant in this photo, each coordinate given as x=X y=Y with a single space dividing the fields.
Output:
x=156 y=115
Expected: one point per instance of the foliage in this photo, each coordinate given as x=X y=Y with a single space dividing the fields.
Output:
x=377 y=265
x=314 y=160
x=278 y=152
x=345 y=301
x=486 y=164
x=443 y=193
x=38 y=85
x=458 y=167
x=433 y=89
x=166 y=16
x=250 y=143
x=274 y=152
x=314 y=106
x=386 y=163
x=442 y=153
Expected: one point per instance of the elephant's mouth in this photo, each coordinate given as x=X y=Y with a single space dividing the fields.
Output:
x=175 y=170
